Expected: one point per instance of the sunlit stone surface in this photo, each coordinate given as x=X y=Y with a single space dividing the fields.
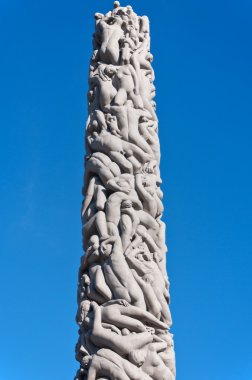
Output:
x=123 y=288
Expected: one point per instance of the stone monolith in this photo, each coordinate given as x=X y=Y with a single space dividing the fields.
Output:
x=123 y=288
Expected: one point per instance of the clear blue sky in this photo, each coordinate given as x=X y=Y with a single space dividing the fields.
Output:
x=203 y=64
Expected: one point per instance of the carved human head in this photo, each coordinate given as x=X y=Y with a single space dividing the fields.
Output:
x=116 y=4
x=125 y=331
x=127 y=203
x=86 y=360
x=110 y=70
x=85 y=279
x=85 y=306
x=84 y=311
x=94 y=241
x=137 y=357
x=106 y=249
x=95 y=125
x=128 y=153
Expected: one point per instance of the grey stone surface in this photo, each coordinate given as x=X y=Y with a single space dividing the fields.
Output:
x=123 y=288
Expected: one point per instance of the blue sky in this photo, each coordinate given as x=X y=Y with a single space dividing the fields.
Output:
x=203 y=65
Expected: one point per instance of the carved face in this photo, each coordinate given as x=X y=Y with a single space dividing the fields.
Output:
x=106 y=249
x=94 y=241
x=126 y=204
x=110 y=70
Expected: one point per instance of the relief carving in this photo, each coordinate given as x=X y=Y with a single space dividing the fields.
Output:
x=123 y=288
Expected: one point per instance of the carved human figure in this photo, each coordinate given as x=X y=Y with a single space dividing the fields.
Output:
x=97 y=224
x=99 y=121
x=101 y=80
x=128 y=45
x=122 y=345
x=124 y=191
x=95 y=199
x=116 y=149
x=127 y=84
x=133 y=116
x=123 y=288
x=108 y=363
x=113 y=125
x=144 y=24
x=139 y=216
x=168 y=355
x=133 y=19
x=101 y=165
x=141 y=235
x=148 y=129
x=98 y=366
x=141 y=260
x=146 y=189
x=118 y=275
x=108 y=34
x=150 y=362
x=87 y=289
x=92 y=263
x=129 y=153
x=141 y=57
x=152 y=303
x=123 y=315
x=85 y=317
x=115 y=87
x=131 y=219
x=147 y=92
x=128 y=223
x=112 y=146
x=159 y=256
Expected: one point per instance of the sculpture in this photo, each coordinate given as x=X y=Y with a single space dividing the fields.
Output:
x=123 y=288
